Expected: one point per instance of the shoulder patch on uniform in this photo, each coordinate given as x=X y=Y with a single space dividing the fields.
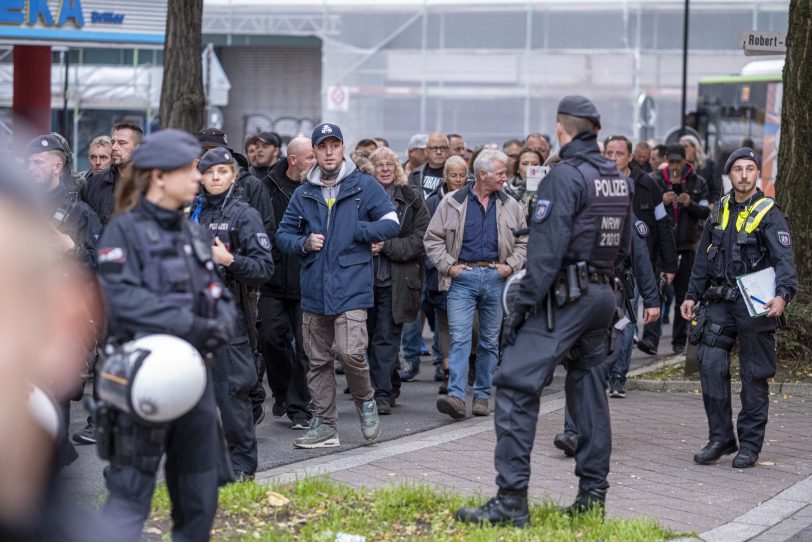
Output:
x=641 y=227
x=111 y=260
x=784 y=238
x=264 y=242
x=112 y=254
x=542 y=210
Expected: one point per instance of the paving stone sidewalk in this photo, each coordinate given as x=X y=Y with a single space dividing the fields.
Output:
x=652 y=473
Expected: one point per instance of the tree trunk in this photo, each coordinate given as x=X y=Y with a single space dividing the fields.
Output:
x=795 y=156
x=182 y=98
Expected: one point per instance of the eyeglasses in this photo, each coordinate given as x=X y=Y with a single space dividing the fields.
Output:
x=739 y=169
x=437 y=149
x=385 y=165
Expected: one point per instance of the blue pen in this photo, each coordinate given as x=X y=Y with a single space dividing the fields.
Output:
x=754 y=298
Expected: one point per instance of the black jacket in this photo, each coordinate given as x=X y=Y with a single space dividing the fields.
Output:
x=285 y=282
x=405 y=253
x=688 y=218
x=76 y=219
x=648 y=207
x=251 y=190
x=98 y=193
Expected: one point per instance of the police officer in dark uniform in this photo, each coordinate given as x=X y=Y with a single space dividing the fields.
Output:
x=746 y=233
x=78 y=226
x=158 y=277
x=579 y=232
x=76 y=232
x=242 y=249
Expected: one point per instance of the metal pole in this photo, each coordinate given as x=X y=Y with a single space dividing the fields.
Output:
x=64 y=125
x=684 y=67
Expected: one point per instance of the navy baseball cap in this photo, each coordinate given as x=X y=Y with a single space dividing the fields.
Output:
x=270 y=138
x=578 y=106
x=675 y=152
x=166 y=150
x=214 y=157
x=744 y=153
x=43 y=143
x=324 y=131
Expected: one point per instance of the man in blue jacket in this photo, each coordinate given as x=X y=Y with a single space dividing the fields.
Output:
x=332 y=221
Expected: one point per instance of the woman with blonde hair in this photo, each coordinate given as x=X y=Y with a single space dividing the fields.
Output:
x=398 y=265
x=703 y=165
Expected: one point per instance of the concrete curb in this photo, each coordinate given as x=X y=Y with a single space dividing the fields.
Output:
x=689 y=386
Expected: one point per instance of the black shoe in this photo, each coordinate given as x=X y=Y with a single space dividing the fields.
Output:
x=439 y=376
x=647 y=346
x=713 y=451
x=507 y=508
x=594 y=499
x=86 y=435
x=443 y=390
x=745 y=459
x=679 y=348
x=567 y=442
x=384 y=408
x=279 y=408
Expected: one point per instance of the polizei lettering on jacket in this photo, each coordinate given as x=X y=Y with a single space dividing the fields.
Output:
x=611 y=188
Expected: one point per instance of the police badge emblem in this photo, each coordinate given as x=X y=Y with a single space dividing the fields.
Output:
x=542 y=210
x=641 y=227
x=264 y=242
x=784 y=238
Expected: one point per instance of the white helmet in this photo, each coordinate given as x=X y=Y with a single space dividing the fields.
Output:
x=511 y=290
x=45 y=412
x=157 y=378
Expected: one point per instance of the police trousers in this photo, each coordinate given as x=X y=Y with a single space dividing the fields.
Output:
x=756 y=338
x=235 y=374
x=194 y=451
x=579 y=340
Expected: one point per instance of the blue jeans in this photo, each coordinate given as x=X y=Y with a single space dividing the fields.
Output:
x=480 y=290
x=618 y=361
x=411 y=341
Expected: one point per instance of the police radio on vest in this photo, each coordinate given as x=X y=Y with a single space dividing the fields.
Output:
x=611 y=187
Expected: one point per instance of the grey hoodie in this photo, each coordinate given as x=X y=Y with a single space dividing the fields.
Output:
x=329 y=193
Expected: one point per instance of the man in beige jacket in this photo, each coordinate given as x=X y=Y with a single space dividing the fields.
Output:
x=471 y=242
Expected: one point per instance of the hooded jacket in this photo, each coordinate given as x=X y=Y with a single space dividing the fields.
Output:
x=352 y=214
x=688 y=219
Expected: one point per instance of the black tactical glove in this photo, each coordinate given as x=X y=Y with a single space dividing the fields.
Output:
x=513 y=323
x=207 y=335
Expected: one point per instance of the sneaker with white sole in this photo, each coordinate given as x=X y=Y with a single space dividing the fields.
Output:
x=318 y=436
x=370 y=425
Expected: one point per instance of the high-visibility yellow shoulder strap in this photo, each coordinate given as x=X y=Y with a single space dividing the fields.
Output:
x=723 y=213
x=754 y=215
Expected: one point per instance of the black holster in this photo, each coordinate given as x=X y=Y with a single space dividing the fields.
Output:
x=103 y=420
x=697 y=324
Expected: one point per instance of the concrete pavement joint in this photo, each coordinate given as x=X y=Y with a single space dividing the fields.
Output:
x=683 y=386
x=365 y=455
x=764 y=516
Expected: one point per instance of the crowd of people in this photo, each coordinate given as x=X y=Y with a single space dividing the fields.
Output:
x=290 y=262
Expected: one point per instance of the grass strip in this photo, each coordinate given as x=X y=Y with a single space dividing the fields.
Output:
x=319 y=509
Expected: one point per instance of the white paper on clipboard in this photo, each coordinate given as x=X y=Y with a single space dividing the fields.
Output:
x=757 y=289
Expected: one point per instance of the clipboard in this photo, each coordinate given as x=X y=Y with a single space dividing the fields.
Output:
x=757 y=289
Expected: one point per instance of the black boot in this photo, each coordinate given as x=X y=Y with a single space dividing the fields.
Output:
x=586 y=501
x=507 y=508
x=566 y=442
x=713 y=451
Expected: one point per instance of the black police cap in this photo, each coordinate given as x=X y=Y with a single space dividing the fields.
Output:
x=744 y=153
x=212 y=137
x=215 y=157
x=166 y=150
x=43 y=143
x=581 y=107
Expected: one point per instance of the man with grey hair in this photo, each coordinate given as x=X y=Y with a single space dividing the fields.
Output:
x=430 y=175
x=471 y=242
x=100 y=153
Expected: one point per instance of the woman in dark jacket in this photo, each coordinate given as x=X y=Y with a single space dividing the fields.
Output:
x=242 y=249
x=398 y=266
